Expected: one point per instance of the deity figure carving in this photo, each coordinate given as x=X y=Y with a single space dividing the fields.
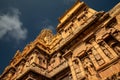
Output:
x=39 y=60
x=27 y=63
x=55 y=60
x=89 y=67
x=105 y=50
x=45 y=36
x=58 y=58
x=20 y=67
x=52 y=62
x=46 y=40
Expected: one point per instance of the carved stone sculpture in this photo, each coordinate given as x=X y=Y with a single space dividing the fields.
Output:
x=89 y=66
x=86 y=46
x=21 y=67
x=90 y=70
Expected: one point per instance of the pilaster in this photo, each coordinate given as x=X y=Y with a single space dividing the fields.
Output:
x=99 y=50
x=68 y=57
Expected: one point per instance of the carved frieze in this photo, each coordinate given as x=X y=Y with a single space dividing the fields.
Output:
x=87 y=43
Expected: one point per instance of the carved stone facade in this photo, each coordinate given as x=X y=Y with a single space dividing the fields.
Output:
x=85 y=47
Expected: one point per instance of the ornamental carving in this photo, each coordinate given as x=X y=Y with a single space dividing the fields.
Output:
x=86 y=46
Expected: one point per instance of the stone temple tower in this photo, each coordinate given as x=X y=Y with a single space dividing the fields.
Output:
x=85 y=47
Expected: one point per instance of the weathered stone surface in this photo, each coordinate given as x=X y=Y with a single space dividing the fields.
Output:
x=85 y=47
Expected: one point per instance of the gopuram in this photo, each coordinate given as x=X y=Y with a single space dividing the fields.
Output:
x=85 y=47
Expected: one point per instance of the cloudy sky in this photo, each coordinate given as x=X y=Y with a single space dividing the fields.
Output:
x=22 y=20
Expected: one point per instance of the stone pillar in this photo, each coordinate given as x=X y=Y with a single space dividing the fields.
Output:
x=81 y=68
x=98 y=57
x=72 y=69
x=92 y=58
x=78 y=68
x=68 y=57
x=90 y=70
x=99 y=50
x=89 y=66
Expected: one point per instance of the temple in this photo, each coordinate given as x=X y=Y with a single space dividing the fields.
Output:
x=85 y=47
